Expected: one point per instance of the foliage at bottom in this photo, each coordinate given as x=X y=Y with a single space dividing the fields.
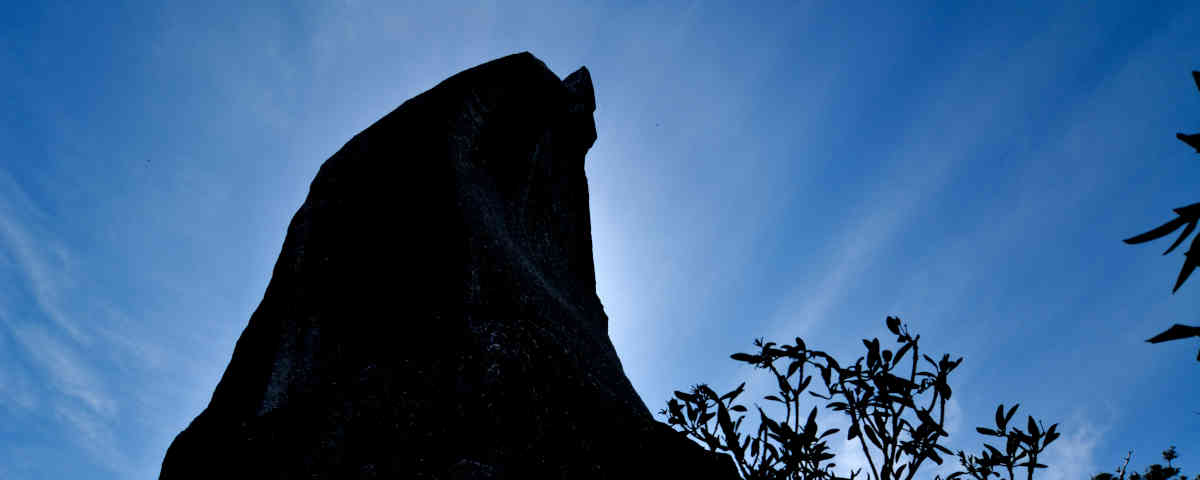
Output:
x=895 y=404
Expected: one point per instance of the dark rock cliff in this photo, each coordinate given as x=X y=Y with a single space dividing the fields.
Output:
x=433 y=312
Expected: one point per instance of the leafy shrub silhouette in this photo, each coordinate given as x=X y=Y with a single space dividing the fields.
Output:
x=1187 y=215
x=1153 y=472
x=898 y=420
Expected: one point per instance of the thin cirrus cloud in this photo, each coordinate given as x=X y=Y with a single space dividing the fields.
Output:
x=41 y=263
x=976 y=109
x=60 y=392
x=1074 y=454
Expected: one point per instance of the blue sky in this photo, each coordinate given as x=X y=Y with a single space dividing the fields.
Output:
x=797 y=169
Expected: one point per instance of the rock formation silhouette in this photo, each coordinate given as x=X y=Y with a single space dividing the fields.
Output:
x=433 y=312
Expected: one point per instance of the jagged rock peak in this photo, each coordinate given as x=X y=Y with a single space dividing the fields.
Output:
x=433 y=311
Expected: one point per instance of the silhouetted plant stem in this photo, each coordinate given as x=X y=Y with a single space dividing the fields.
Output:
x=881 y=406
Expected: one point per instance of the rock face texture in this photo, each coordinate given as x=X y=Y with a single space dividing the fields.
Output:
x=433 y=313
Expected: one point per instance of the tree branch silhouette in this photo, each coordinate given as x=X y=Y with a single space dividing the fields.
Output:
x=1187 y=215
x=896 y=409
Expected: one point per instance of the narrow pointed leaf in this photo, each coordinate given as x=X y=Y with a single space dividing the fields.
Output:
x=735 y=392
x=871 y=436
x=1189 y=212
x=726 y=426
x=1008 y=416
x=784 y=387
x=1176 y=332
x=1192 y=140
x=1158 y=232
x=1182 y=235
x=793 y=367
x=746 y=357
x=810 y=426
x=1189 y=264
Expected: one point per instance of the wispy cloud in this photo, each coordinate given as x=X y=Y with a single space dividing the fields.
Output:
x=858 y=245
x=41 y=261
x=56 y=350
x=1072 y=456
x=96 y=435
x=65 y=369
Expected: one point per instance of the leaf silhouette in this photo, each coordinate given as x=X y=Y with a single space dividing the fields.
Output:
x=1159 y=232
x=1192 y=140
x=1189 y=214
x=746 y=357
x=1182 y=235
x=793 y=367
x=734 y=393
x=1008 y=416
x=1189 y=264
x=880 y=404
x=893 y=324
x=1176 y=332
x=726 y=425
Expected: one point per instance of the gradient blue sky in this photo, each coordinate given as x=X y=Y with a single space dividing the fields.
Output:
x=797 y=169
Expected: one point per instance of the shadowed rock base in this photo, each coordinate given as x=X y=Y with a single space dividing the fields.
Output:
x=433 y=312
